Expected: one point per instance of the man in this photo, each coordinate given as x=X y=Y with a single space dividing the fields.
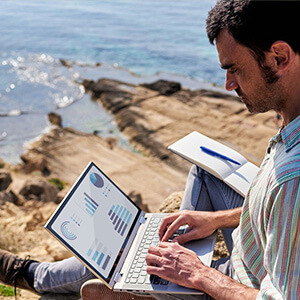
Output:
x=258 y=49
x=261 y=57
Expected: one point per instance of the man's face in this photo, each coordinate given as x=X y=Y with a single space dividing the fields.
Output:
x=244 y=75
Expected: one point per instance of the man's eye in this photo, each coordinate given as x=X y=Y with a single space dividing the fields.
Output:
x=231 y=71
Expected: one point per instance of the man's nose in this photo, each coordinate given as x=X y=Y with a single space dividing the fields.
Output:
x=230 y=82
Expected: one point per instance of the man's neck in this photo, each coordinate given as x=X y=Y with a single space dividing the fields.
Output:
x=291 y=112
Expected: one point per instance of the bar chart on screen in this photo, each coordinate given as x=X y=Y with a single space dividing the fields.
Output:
x=120 y=218
x=88 y=204
x=99 y=254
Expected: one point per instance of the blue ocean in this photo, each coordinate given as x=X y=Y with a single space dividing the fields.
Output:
x=131 y=40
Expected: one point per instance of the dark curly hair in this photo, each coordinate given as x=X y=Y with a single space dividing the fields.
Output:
x=256 y=24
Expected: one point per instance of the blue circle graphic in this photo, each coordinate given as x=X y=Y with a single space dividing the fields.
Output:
x=96 y=180
x=68 y=231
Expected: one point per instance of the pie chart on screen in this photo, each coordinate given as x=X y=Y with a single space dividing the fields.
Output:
x=96 y=180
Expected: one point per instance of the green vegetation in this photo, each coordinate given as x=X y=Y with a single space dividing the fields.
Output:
x=58 y=183
x=6 y=291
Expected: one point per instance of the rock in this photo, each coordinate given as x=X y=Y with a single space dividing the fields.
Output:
x=106 y=86
x=65 y=63
x=220 y=247
x=130 y=120
x=172 y=203
x=9 y=196
x=55 y=119
x=141 y=125
x=2 y=163
x=116 y=101
x=34 y=162
x=137 y=199
x=164 y=87
x=115 y=95
x=150 y=142
x=34 y=220
x=39 y=189
x=87 y=84
x=111 y=142
x=5 y=180
x=56 y=250
x=153 y=121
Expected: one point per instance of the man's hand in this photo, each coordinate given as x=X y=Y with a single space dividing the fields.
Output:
x=175 y=263
x=182 y=266
x=201 y=224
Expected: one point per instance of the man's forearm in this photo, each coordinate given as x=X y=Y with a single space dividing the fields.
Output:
x=228 y=218
x=182 y=266
x=220 y=286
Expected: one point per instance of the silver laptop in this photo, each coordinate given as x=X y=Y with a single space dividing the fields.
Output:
x=108 y=233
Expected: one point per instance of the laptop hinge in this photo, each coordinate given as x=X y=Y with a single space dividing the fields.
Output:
x=117 y=277
x=142 y=219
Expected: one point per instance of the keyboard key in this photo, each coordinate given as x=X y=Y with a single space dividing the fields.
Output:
x=141 y=279
x=137 y=273
x=147 y=280
x=133 y=280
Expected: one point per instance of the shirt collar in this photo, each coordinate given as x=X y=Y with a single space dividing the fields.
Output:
x=289 y=135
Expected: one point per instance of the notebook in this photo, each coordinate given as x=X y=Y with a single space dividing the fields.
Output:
x=105 y=230
x=237 y=176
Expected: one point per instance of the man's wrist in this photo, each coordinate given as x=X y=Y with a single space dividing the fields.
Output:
x=220 y=286
x=199 y=280
x=228 y=218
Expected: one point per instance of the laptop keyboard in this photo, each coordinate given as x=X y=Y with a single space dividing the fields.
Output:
x=137 y=273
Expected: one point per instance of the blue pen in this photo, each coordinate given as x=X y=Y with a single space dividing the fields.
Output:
x=213 y=153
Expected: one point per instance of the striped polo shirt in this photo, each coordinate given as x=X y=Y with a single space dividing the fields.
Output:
x=266 y=252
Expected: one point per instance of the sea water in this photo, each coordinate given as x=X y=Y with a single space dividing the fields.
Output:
x=133 y=40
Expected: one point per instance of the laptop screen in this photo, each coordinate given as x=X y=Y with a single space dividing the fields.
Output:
x=95 y=220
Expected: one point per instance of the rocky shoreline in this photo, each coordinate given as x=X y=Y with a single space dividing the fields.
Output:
x=155 y=115
x=152 y=117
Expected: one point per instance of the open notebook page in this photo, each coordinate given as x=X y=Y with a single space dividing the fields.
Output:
x=189 y=148
x=241 y=179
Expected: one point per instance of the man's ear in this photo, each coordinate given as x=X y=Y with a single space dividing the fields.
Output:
x=282 y=53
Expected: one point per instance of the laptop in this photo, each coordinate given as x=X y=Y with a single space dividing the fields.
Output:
x=111 y=235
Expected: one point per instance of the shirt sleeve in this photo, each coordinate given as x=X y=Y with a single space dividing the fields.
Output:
x=282 y=243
